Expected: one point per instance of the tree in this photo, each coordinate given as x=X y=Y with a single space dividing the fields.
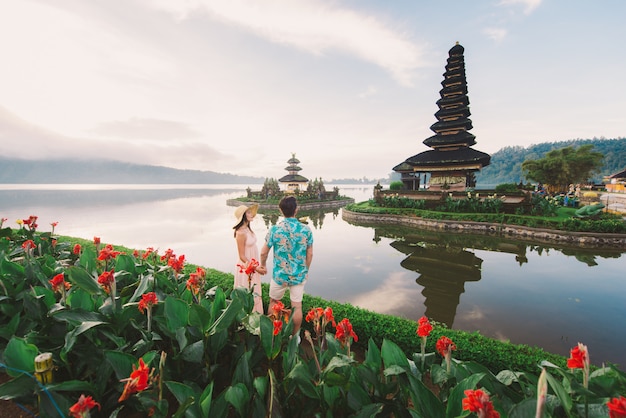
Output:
x=564 y=166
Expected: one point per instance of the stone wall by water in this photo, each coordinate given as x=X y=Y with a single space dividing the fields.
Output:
x=522 y=233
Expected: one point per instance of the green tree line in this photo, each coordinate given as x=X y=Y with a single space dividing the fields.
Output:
x=506 y=164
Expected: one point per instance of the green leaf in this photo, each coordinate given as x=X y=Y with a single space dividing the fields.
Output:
x=373 y=358
x=193 y=352
x=424 y=400
x=80 y=299
x=81 y=278
x=560 y=392
x=370 y=410
x=19 y=356
x=226 y=318
x=238 y=396
x=393 y=355
x=122 y=363
x=301 y=376
x=21 y=386
x=125 y=262
x=455 y=401
x=199 y=317
x=144 y=286
x=176 y=313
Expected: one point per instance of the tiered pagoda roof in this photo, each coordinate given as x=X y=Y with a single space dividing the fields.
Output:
x=293 y=168
x=452 y=140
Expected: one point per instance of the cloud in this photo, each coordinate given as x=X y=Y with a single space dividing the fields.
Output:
x=496 y=34
x=144 y=128
x=315 y=27
x=529 y=5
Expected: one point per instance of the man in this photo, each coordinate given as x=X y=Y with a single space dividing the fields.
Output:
x=292 y=242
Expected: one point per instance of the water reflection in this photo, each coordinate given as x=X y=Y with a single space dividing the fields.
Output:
x=446 y=262
x=312 y=217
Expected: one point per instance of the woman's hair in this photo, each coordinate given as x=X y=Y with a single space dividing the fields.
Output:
x=288 y=206
x=241 y=223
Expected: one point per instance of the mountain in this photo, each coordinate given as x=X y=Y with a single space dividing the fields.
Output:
x=506 y=164
x=62 y=171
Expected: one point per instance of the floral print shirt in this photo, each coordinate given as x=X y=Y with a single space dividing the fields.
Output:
x=290 y=239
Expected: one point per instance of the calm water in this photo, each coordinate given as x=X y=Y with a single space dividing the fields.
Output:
x=529 y=294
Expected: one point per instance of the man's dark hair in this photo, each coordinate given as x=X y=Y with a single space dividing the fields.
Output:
x=288 y=206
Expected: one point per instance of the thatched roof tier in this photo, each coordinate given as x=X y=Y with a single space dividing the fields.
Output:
x=293 y=178
x=452 y=159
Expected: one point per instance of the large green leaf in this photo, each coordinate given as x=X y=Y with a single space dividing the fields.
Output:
x=8 y=329
x=88 y=259
x=22 y=385
x=81 y=278
x=199 y=317
x=393 y=355
x=19 y=356
x=122 y=363
x=70 y=337
x=226 y=318
x=238 y=396
x=176 y=313
x=187 y=398
x=424 y=400
x=80 y=299
x=125 y=262
x=193 y=352
x=11 y=270
x=301 y=376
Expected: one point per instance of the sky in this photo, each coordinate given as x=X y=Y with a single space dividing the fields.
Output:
x=348 y=86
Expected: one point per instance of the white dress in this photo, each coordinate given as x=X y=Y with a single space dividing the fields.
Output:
x=241 y=279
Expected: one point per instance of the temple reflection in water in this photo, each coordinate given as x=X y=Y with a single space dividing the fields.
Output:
x=445 y=262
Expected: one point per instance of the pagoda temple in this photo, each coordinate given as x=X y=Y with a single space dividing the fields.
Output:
x=451 y=162
x=293 y=181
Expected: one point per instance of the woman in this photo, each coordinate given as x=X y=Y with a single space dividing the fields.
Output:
x=247 y=250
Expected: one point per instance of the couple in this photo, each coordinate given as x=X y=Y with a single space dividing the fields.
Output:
x=292 y=242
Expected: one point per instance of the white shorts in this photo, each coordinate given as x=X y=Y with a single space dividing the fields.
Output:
x=296 y=292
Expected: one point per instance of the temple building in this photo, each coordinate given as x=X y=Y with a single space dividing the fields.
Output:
x=293 y=181
x=451 y=162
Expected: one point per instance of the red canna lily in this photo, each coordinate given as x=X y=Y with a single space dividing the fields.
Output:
x=445 y=346
x=76 y=249
x=168 y=254
x=278 y=325
x=579 y=359
x=250 y=268
x=58 y=283
x=149 y=251
x=107 y=280
x=176 y=263
x=344 y=332
x=81 y=408
x=478 y=402
x=424 y=327
x=28 y=244
x=617 y=407
x=138 y=381
x=148 y=300
x=108 y=253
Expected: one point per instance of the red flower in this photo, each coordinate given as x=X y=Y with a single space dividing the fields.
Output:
x=278 y=325
x=617 y=407
x=320 y=317
x=250 y=268
x=478 y=402
x=148 y=300
x=176 y=263
x=81 y=408
x=445 y=346
x=424 y=328
x=345 y=332
x=76 y=249
x=578 y=356
x=169 y=253
x=278 y=309
x=138 y=381
x=58 y=281
x=106 y=280
x=31 y=222
x=28 y=244
x=96 y=240
x=108 y=253
x=149 y=251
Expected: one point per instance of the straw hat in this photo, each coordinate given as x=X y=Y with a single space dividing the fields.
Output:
x=241 y=210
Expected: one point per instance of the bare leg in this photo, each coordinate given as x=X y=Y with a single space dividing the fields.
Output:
x=297 y=316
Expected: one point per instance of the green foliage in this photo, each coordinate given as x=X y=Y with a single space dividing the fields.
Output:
x=396 y=185
x=564 y=166
x=204 y=353
x=506 y=163
x=507 y=188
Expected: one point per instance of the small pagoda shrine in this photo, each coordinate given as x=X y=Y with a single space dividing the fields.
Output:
x=452 y=162
x=293 y=181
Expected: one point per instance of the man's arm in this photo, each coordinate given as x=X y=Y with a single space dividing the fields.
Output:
x=309 y=256
x=265 y=250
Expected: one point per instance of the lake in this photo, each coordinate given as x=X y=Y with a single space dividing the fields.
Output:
x=537 y=295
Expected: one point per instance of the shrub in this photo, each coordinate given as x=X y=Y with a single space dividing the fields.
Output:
x=396 y=185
